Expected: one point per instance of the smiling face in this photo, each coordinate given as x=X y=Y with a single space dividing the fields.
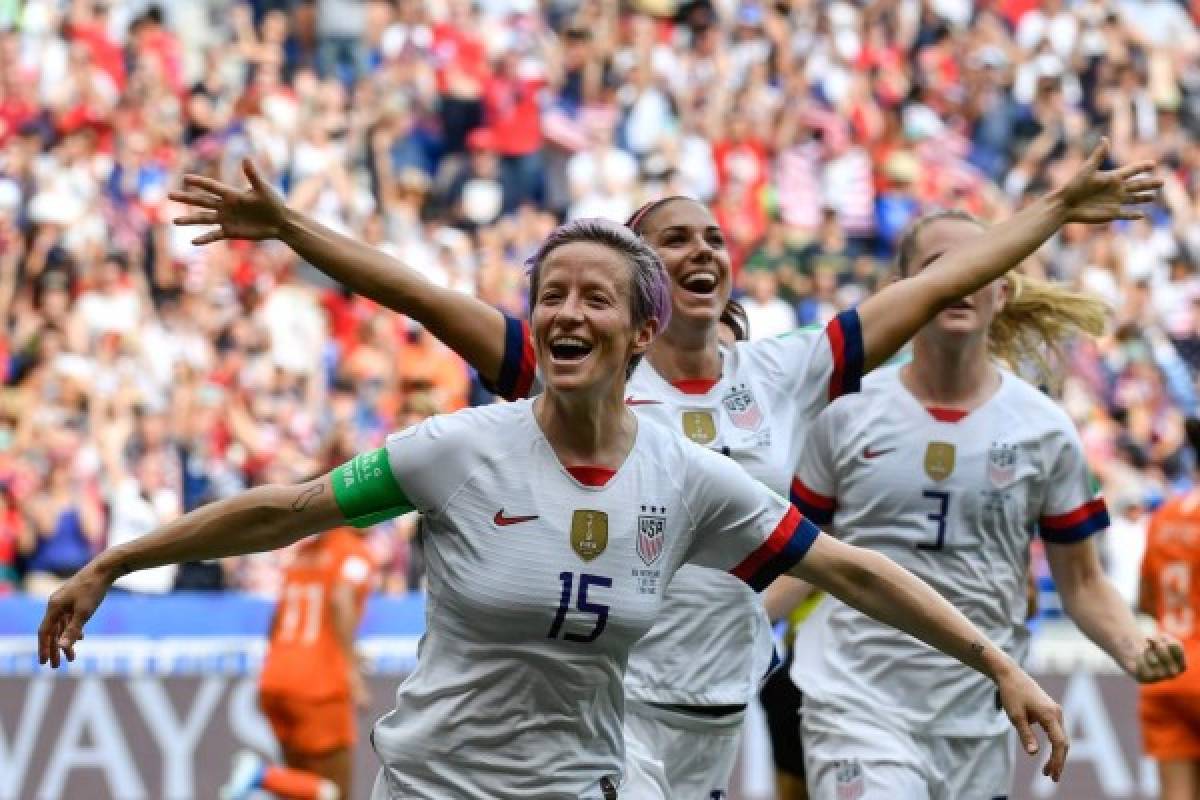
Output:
x=692 y=247
x=974 y=313
x=582 y=319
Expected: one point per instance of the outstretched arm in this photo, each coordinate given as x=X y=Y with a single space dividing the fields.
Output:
x=892 y=316
x=1094 y=604
x=469 y=326
x=876 y=586
x=263 y=518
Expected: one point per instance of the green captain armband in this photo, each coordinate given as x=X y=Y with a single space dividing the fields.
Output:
x=367 y=492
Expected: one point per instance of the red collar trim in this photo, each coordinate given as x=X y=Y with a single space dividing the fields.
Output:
x=695 y=385
x=946 y=414
x=592 y=476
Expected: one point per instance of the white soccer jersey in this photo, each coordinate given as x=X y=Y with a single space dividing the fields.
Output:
x=539 y=585
x=956 y=500
x=712 y=643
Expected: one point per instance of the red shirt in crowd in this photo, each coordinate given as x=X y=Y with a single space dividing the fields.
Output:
x=512 y=113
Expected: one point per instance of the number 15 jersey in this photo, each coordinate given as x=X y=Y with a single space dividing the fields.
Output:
x=955 y=499
x=540 y=581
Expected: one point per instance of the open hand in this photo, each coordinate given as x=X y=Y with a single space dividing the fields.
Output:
x=1160 y=658
x=1097 y=196
x=70 y=607
x=1026 y=705
x=256 y=212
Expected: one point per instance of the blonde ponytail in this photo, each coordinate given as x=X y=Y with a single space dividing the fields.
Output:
x=1037 y=322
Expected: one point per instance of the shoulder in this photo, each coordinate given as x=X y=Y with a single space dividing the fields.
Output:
x=676 y=457
x=476 y=428
x=799 y=339
x=880 y=382
x=1034 y=410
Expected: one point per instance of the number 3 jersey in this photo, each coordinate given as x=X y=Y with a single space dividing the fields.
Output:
x=956 y=500
x=540 y=579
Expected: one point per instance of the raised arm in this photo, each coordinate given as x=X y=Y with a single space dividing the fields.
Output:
x=263 y=518
x=1093 y=603
x=876 y=586
x=469 y=326
x=892 y=316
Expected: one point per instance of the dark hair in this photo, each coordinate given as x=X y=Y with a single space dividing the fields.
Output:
x=733 y=316
x=637 y=220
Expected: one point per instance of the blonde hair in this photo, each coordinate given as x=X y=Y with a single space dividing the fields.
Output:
x=1038 y=319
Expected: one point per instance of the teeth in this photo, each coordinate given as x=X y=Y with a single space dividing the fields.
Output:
x=570 y=341
x=700 y=281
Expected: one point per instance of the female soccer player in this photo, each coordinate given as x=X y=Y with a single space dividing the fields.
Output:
x=1170 y=592
x=690 y=678
x=950 y=465
x=553 y=527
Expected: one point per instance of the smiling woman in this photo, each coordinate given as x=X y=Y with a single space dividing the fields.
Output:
x=587 y=268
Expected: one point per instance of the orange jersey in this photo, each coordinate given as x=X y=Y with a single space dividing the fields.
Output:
x=304 y=658
x=1171 y=582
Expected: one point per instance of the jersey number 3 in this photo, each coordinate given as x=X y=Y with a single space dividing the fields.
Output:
x=582 y=604
x=938 y=517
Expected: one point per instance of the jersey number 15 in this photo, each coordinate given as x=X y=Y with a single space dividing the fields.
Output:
x=582 y=604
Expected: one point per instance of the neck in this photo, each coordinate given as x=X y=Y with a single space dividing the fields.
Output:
x=679 y=355
x=951 y=374
x=584 y=429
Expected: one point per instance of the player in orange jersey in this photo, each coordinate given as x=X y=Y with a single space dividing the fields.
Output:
x=1170 y=592
x=311 y=681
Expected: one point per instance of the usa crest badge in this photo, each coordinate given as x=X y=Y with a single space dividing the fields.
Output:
x=743 y=411
x=1002 y=464
x=589 y=533
x=939 y=460
x=699 y=426
x=851 y=783
x=652 y=533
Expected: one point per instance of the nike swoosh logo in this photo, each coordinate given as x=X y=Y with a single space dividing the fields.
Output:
x=502 y=520
x=869 y=453
x=630 y=401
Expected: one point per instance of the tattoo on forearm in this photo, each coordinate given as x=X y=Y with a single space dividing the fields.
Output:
x=307 y=496
x=977 y=651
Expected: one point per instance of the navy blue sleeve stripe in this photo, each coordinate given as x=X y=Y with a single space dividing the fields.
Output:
x=510 y=366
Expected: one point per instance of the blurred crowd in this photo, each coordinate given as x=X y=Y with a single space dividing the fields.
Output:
x=144 y=376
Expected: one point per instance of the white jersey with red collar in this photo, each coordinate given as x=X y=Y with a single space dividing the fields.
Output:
x=540 y=581
x=712 y=643
x=956 y=500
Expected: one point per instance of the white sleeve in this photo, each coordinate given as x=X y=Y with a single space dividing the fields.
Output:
x=814 y=488
x=432 y=459
x=1073 y=509
x=741 y=526
x=416 y=469
x=815 y=366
